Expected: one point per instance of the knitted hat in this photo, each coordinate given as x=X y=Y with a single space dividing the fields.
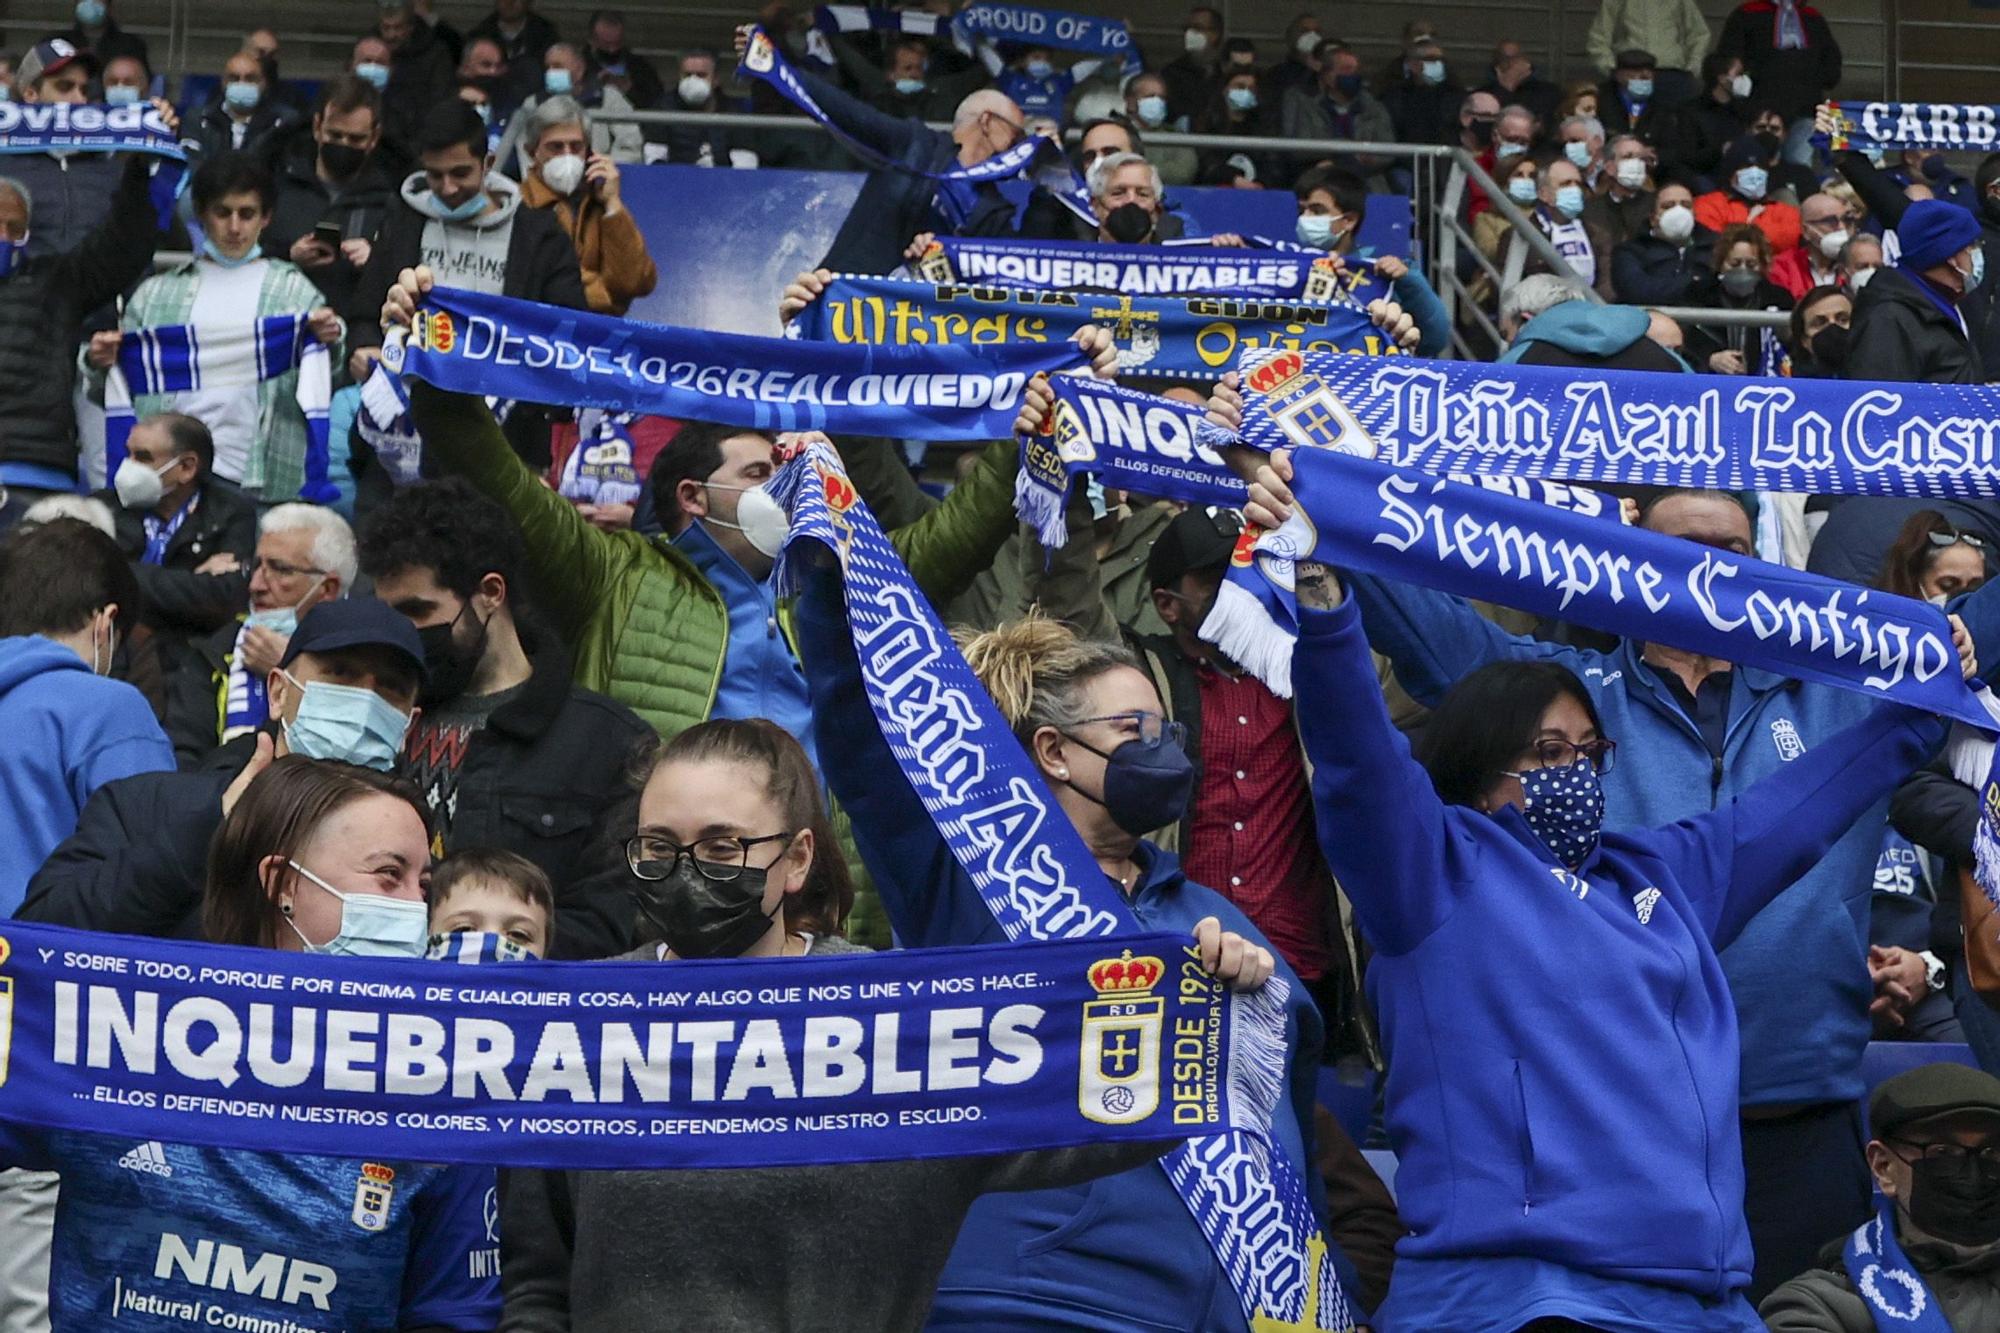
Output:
x=1932 y=231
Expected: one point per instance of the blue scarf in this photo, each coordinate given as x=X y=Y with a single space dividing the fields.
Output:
x=173 y=358
x=160 y=531
x=1270 y=270
x=600 y=470
x=1039 y=879
x=831 y=19
x=62 y=127
x=1039 y=159
x=382 y=420
x=1628 y=427
x=1355 y=514
x=629 y=1065
x=536 y=353
x=1027 y=25
x=1886 y=126
x=1181 y=337
x=1895 y=1293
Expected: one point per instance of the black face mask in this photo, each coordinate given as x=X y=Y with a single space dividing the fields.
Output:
x=1481 y=131
x=449 y=664
x=342 y=160
x=1129 y=223
x=699 y=918
x=1991 y=203
x=1829 y=346
x=1956 y=1201
x=1771 y=143
x=1146 y=787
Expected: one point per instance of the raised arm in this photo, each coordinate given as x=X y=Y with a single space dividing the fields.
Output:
x=116 y=252
x=1434 y=639
x=892 y=136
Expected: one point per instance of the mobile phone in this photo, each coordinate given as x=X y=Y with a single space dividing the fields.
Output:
x=328 y=234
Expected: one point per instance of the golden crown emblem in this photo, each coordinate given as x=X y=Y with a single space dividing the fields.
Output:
x=1277 y=371
x=1126 y=975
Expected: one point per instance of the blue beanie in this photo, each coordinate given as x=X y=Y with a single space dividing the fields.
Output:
x=1932 y=231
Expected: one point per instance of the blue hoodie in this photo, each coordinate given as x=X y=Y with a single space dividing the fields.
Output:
x=1562 y=1051
x=64 y=732
x=1799 y=972
x=1120 y=1254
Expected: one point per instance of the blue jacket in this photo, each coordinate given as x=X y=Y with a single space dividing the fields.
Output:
x=1799 y=972
x=1562 y=1053
x=1121 y=1253
x=760 y=678
x=64 y=732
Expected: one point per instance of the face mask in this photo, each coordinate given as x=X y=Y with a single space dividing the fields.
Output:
x=699 y=918
x=122 y=94
x=347 y=723
x=909 y=87
x=555 y=82
x=1039 y=70
x=1129 y=223
x=1316 y=230
x=283 y=620
x=1829 y=346
x=1094 y=496
x=477 y=946
x=1579 y=153
x=1152 y=112
x=448 y=664
x=12 y=253
x=1242 y=99
x=1521 y=190
x=138 y=486
x=1752 y=181
x=1739 y=86
x=1957 y=1202
x=474 y=205
x=1347 y=85
x=1569 y=201
x=1195 y=40
x=1639 y=89
x=1307 y=43
x=695 y=90
x=1432 y=72
x=1740 y=282
x=759 y=517
x=1977 y=273
x=373 y=73
x=1630 y=172
x=1146 y=787
x=1831 y=243
x=563 y=174
x=1507 y=148
x=243 y=96
x=1677 y=223
x=371 y=926
x=341 y=160
x=90 y=13
x=1859 y=278
x=485 y=111
x=216 y=256
x=1481 y=132
x=1565 y=809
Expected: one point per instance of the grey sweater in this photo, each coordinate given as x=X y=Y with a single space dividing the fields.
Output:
x=754 y=1251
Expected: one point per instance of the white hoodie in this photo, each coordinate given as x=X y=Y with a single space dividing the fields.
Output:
x=470 y=254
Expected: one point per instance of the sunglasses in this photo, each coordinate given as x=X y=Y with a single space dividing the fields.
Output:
x=1949 y=537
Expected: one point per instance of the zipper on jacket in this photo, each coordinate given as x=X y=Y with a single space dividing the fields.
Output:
x=1714 y=780
x=1527 y=1138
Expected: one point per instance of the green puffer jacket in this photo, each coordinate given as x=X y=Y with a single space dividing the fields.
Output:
x=1965 y=1283
x=645 y=626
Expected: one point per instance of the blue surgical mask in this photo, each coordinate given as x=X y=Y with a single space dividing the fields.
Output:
x=555 y=81
x=1093 y=491
x=1242 y=99
x=1577 y=152
x=1569 y=201
x=347 y=723
x=371 y=925
x=244 y=96
x=1040 y=69
x=1433 y=71
x=370 y=72
x=1565 y=809
x=1521 y=190
x=474 y=205
x=1506 y=148
x=909 y=87
x=1751 y=182
x=280 y=620
x=477 y=946
x=485 y=110
x=1316 y=230
x=12 y=253
x=90 y=13
x=216 y=256
x=1977 y=273
x=1639 y=89
x=1152 y=112
x=121 y=94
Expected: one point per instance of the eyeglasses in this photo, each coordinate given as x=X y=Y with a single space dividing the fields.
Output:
x=278 y=569
x=1951 y=537
x=720 y=860
x=1957 y=1154
x=1150 y=726
x=1553 y=752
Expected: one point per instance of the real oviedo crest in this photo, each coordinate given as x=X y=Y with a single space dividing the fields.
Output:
x=1118 y=1074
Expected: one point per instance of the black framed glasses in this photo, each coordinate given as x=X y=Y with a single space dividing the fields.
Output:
x=1956 y=1154
x=1554 y=752
x=1150 y=726
x=652 y=857
x=1948 y=537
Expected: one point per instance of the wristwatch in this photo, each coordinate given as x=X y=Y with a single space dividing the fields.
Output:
x=1934 y=970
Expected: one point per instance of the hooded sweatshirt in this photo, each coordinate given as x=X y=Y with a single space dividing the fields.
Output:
x=471 y=254
x=1585 y=334
x=64 y=732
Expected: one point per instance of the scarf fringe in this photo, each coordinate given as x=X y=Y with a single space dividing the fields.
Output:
x=1256 y=1076
x=1041 y=509
x=1243 y=628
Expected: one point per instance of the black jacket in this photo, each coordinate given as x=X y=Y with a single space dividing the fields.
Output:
x=1691 y=139
x=304 y=201
x=422 y=73
x=177 y=598
x=1649 y=271
x=1703 y=341
x=1792 y=81
x=112 y=43
x=640 y=82
x=524 y=51
x=1900 y=334
x=544 y=778
x=192 y=702
x=43 y=304
x=269 y=126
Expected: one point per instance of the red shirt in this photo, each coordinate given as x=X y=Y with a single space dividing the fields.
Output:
x=1252 y=837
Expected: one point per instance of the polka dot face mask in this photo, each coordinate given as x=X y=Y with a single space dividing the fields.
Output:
x=1565 y=808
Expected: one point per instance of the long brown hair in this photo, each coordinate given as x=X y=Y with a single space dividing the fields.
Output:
x=277 y=816
x=1912 y=554
x=821 y=906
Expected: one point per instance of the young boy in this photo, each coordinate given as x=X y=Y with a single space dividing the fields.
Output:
x=490 y=906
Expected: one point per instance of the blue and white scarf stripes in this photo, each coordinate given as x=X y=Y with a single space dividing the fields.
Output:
x=63 y=127
x=471 y=343
x=625 y=1065
x=600 y=470
x=1262 y=269
x=1888 y=126
x=1036 y=158
x=1039 y=879
x=1030 y=25
x=1178 y=337
x=832 y=19
x=383 y=422
x=1896 y=1295
x=174 y=358
x=1628 y=427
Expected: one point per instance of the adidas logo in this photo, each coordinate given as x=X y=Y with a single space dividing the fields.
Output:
x=149 y=1157
x=1644 y=901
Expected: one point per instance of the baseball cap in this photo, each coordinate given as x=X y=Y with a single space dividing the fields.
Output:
x=1195 y=539
x=1931 y=1090
x=356 y=622
x=1635 y=58
x=50 y=57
